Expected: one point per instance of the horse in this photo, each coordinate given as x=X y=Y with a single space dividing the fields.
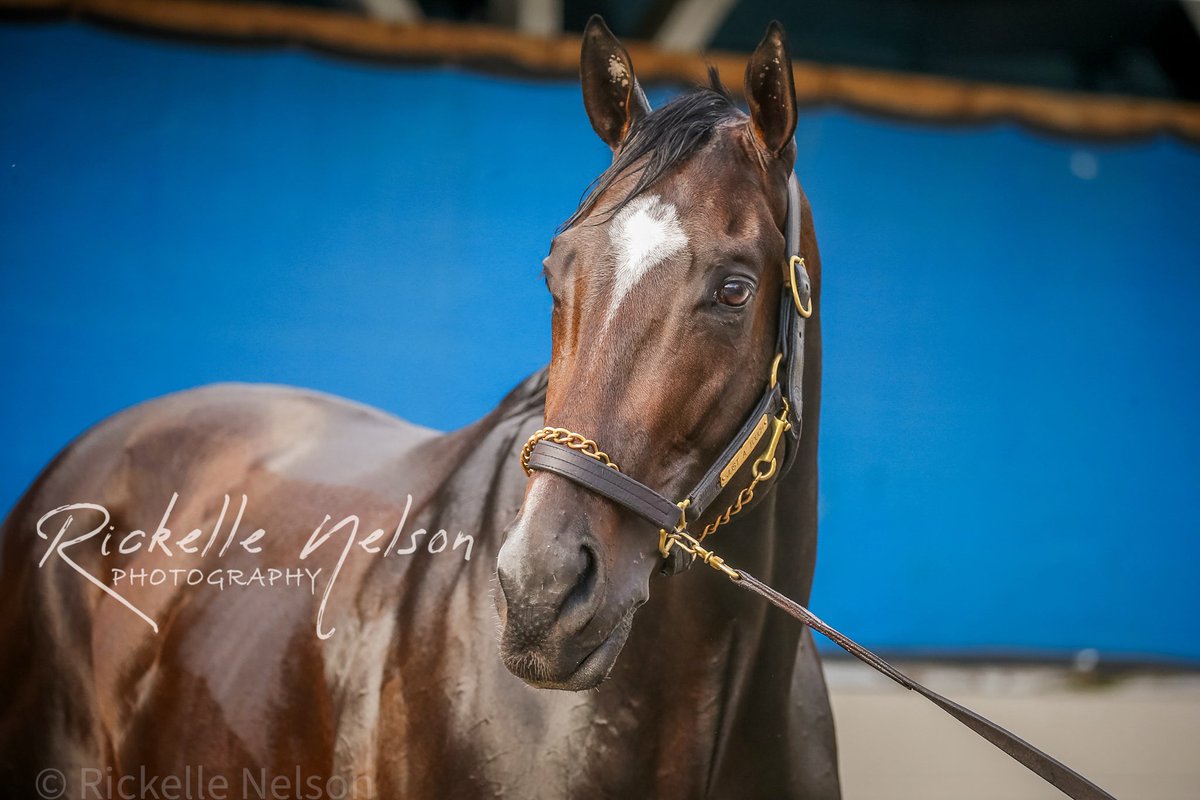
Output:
x=459 y=628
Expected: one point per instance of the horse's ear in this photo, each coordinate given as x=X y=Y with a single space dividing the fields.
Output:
x=771 y=92
x=611 y=94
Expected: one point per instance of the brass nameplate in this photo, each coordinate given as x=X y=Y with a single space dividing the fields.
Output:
x=745 y=450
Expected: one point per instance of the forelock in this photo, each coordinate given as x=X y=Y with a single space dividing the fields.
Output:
x=660 y=142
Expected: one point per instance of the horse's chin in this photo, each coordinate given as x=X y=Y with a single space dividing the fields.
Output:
x=535 y=669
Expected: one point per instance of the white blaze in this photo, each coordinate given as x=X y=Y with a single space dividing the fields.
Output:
x=643 y=235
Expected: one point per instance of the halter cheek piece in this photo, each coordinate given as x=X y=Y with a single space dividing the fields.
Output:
x=774 y=423
x=770 y=434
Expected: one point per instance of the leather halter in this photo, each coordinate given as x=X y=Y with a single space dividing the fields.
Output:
x=778 y=411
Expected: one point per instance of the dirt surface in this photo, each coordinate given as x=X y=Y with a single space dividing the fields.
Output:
x=1137 y=736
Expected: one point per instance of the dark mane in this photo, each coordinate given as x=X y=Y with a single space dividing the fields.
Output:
x=665 y=138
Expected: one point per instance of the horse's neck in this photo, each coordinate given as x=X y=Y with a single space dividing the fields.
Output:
x=714 y=665
x=754 y=651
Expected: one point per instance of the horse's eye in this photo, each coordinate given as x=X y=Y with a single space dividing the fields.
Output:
x=734 y=293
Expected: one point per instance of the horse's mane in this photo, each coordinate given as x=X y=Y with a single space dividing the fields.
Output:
x=660 y=141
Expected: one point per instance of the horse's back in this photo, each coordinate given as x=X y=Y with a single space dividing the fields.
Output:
x=82 y=672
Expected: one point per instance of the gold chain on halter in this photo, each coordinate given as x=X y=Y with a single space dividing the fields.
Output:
x=572 y=440
x=762 y=469
x=744 y=498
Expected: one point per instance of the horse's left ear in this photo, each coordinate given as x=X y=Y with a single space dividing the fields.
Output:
x=611 y=94
x=771 y=92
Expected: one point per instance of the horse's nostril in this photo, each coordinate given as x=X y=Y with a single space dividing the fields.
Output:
x=585 y=586
x=551 y=585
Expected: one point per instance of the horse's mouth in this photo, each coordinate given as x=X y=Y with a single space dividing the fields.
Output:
x=589 y=673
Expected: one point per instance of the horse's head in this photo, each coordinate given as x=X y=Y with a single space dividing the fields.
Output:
x=666 y=287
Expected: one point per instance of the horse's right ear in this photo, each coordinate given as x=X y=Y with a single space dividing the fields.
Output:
x=611 y=94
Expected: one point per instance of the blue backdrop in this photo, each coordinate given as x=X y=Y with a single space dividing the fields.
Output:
x=1010 y=444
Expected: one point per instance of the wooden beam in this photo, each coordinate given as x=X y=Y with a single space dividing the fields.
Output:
x=917 y=97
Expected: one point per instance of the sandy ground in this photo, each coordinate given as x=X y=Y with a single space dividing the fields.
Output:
x=1137 y=736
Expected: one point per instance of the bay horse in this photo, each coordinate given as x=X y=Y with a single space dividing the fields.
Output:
x=421 y=663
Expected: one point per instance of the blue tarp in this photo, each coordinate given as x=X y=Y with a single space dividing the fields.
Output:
x=1010 y=444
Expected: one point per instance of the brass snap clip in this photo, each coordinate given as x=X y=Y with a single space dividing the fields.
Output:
x=779 y=424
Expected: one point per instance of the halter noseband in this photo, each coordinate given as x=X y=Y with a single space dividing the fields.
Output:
x=778 y=412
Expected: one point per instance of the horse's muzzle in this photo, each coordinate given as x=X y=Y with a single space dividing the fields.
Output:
x=563 y=619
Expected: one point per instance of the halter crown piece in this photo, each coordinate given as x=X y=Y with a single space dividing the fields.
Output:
x=777 y=421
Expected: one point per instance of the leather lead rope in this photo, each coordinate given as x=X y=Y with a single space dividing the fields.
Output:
x=1045 y=766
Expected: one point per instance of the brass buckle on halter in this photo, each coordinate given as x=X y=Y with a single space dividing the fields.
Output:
x=791 y=279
